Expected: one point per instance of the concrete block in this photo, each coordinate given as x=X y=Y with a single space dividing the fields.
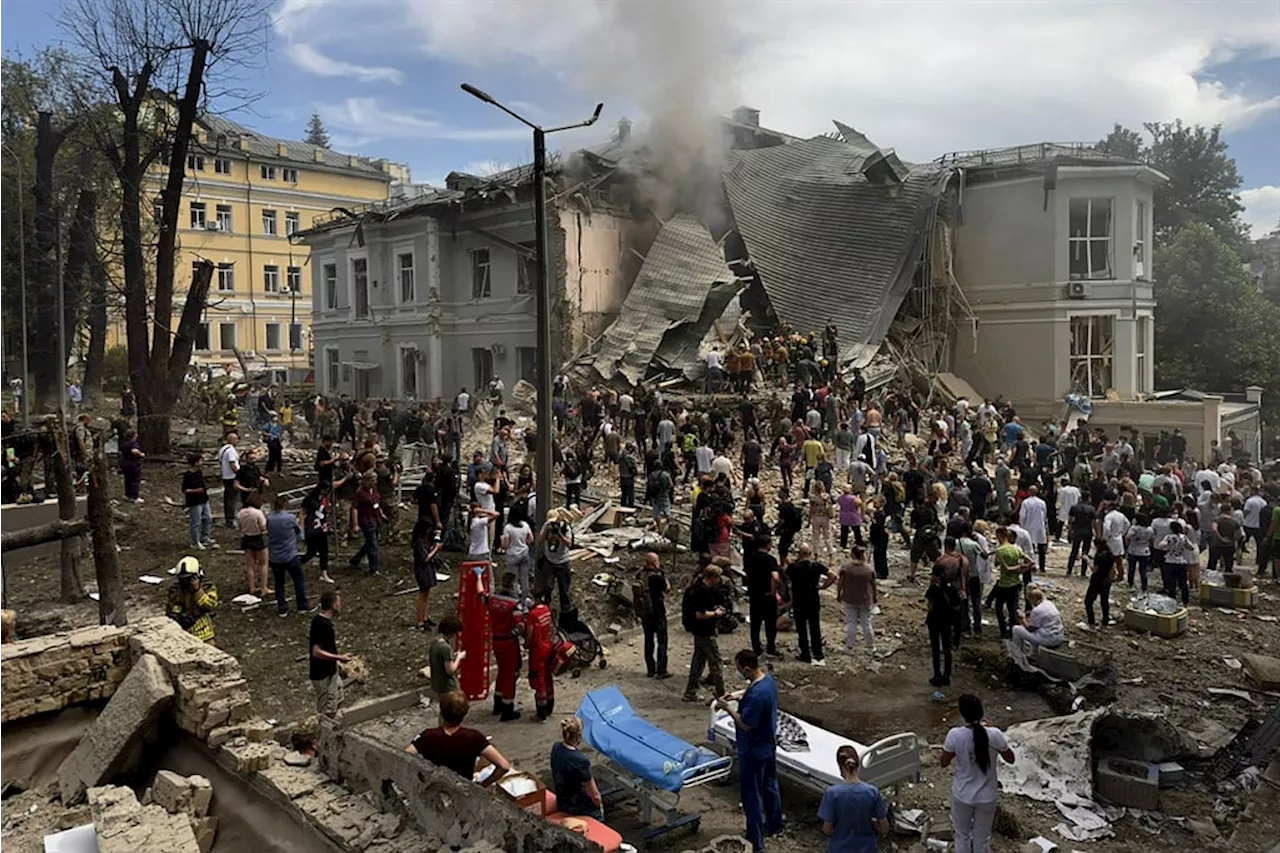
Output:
x=1059 y=663
x=362 y=712
x=244 y=757
x=204 y=829
x=257 y=730
x=142 y=697
x=171 y=792
x=224 y=734
x=201 y=795
x=1122 y=782
x=293 y=782
x=123 y=825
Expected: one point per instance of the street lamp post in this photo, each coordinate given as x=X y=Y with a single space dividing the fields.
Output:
x=542 y=293
x=22 y=278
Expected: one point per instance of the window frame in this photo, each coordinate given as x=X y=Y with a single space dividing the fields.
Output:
x=353 y=290
x=293 y=279
x=482 y=357
x=292 y=222
x=1144 y=329
x=412 y=296
x=270 y=222
x=1140 y=240
x=267 y=173
x=201 y=221
x=1107 y=360
x=195 y=162
x=481 y=288
x=286 y=172
x=222 y=165
x=218 y=214
x=235 y=336
x=1086 y=241
x=266 y=337
x=403 y=351
x=204 y=328
x=271 y=279
x=527 y=270
x=229 y=280
x=329 y=286
x=332 y=369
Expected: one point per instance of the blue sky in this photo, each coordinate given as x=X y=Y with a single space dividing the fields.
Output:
x=924 y=78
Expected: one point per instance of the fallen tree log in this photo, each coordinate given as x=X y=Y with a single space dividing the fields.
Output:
x=54 y=531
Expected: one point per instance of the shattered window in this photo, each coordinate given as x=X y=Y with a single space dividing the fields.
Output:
x=526 y=270
x=1092 y=348
x=1089 y=238
x=360 y=287
x=481 y=275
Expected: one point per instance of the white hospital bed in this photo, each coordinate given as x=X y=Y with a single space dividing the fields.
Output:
x=885 y=763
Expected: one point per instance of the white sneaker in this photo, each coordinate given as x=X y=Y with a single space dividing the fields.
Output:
x=819 y=661
x=198 y=546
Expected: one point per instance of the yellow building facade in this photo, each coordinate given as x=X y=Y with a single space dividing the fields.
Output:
x=245 y=195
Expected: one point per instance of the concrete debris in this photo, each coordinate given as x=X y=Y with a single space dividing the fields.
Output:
x=106 y=747
x=123 y=825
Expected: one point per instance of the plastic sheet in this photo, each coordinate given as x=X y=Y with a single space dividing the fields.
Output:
x=1154 y=602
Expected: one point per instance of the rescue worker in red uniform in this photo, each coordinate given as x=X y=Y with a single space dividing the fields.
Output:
x=505 y=618
x=539 y=634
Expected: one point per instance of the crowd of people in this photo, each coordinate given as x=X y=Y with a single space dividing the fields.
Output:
x=974 y=497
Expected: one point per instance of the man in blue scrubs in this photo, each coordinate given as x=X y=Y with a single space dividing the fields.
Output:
x=755 y=723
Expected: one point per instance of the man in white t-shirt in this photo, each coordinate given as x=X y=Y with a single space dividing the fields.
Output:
x=1253 y=526
x=1068 y=496
x=1114 y=527
x=229 y=466
x=462 y=401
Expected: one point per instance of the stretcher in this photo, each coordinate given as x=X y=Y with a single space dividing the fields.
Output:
x=885 y=763
x=645 y=763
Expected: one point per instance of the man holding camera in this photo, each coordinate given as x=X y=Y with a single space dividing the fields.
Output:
x=556 y=538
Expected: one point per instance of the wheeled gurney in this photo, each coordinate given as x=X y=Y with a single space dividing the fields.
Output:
x=650 y=765
x=885 y=763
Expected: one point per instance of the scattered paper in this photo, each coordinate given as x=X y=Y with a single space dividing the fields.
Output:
x=1233 y=663
x=94 y=596
x=1077 y=834
x=1043 y=843
x=245 y=598
x=441 y=577
x=151 y=579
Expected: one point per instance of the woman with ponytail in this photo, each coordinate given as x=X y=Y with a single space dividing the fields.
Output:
x=974 y=747
x=853 y=814
x=576 y=790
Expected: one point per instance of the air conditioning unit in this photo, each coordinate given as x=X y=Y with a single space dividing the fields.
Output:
x=286 y=289
x=213 y=225
x=1077 y=290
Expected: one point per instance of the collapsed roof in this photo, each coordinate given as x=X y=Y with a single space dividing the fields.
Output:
x=835 y=230
x=682 y=289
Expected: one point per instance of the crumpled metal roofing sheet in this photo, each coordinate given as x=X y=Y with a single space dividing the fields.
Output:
x=679 y=273
x=829 y=244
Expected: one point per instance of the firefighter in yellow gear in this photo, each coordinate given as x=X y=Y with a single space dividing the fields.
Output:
x=192 y=600
x=230 y=416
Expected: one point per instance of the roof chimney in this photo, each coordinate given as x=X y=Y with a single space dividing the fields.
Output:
x=747 y=115
x=353 y=161
x=282 y=149
x=624 y=129
x=319 y=155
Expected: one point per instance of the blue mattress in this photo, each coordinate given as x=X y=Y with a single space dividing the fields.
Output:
x=611 y=727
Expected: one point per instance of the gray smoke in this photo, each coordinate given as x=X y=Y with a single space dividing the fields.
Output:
x=674 y=60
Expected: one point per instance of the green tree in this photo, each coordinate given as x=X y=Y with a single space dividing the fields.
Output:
x=1214 y=329
x=1203 y=183
x=316 y=133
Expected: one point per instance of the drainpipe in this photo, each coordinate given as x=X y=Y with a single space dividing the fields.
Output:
x=248 y=202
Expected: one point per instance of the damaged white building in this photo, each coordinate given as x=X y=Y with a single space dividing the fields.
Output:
x=1022 y=272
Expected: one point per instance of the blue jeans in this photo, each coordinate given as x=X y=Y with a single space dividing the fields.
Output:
x=293 y=569
x=199 y=523
x=369 y=548
x=1141 y=563
x=761 y=800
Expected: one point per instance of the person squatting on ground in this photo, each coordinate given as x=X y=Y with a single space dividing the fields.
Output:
x=505 y=620
x=192 y=600
x=973 y=748
x=1042 y=624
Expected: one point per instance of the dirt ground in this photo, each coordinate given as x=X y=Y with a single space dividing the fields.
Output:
x=1168 y=677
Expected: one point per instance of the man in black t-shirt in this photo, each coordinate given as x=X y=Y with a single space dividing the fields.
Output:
x=656 y=587
x=762 y=593
x=325 y=679
x=455 y=747
x=807 y=576
x=199 y=517
x=325 y=458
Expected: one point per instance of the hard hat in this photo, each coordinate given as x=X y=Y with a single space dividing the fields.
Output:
x=189 y=566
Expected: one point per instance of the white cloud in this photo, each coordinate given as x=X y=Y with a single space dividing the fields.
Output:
x=313 y=61
x=924 y=77
x=372 y=118
x=1261 y=210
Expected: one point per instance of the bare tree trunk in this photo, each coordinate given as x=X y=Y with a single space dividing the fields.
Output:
x=72 y=585
x=44 y=340
x=95 y=357
x=111 y=602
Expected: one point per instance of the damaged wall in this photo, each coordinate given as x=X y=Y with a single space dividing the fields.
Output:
x=594 y=283
x=48 y=673
x=441 y=803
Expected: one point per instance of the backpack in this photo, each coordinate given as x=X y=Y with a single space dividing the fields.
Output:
x=688 y=611
x=653 y=487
